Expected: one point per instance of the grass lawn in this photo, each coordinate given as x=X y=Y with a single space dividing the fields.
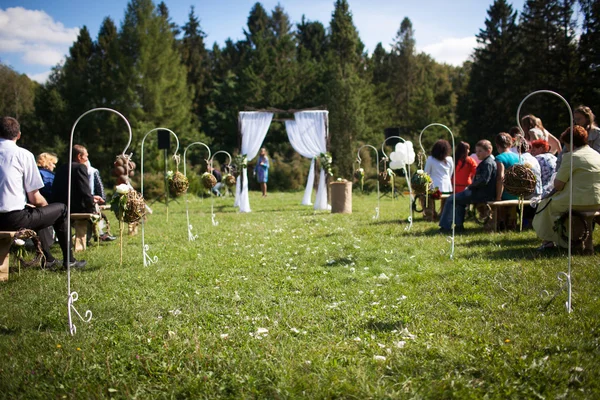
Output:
x=285 y=302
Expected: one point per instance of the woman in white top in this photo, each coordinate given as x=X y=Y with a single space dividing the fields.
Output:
x=440 y=166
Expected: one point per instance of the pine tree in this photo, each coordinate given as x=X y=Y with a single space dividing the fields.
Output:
x=152 y=73
x=547 y=43
x=346 y=89
x=589 y=54
x=195 y=58
x=490 y=103
x=403 y=72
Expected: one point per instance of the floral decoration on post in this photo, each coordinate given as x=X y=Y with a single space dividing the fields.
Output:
x=326 y=161
x=129 y=207
x=19 y=246
x=95 y=220
x=421 y=182
x=178 y=183
x=238 y=163
x=359 y=174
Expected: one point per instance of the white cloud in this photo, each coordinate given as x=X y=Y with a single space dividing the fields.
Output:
x=35 y=35
x=41 y=77
x=453 y=51
x=47 y=57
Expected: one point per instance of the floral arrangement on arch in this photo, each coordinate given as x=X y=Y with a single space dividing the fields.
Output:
x=239 y=162
x=359 y=174
x=326 y=162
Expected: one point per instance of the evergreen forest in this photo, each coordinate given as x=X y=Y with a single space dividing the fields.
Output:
x=160 y=74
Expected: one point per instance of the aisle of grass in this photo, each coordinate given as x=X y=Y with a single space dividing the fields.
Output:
x=284 y=302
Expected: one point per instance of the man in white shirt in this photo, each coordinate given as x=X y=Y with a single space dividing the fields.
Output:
x=20 y=182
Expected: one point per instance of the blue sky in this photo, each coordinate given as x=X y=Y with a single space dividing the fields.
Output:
x=36 y=34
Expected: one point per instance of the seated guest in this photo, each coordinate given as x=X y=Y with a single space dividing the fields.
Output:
x=481 y=190
x=216 y=190
x=465 y=167
x=585 y=117
x=540 y=149
x=82 y=199
x=440 y=167
x=46 y=163
x=504 y=160
x=20 y=181
x=97 y=188
x=586 y=186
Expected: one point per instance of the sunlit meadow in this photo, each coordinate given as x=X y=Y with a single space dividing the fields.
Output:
x=286 y=302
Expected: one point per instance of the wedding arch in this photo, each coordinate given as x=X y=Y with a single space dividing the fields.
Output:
x=308 y=133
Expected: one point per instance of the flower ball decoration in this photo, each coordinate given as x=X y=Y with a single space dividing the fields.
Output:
x=326 y=162
x=519 y=180
x=229 y=180
x=420 y=182
x=128 y=204
x=208 y=180
x=123 y=169
x=178 y=183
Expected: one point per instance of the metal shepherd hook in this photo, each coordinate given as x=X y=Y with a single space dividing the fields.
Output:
x=566 y=275
x=73 y=296
x=407 y=175
x=213 y=216
x=376 y=216
x=147 y=259
x=453 y=181
x=191 y=236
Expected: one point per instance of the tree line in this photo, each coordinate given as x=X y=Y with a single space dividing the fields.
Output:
x=159 y=74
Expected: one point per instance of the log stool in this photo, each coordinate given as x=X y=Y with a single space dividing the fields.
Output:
x=5 y=242
x=80 y=222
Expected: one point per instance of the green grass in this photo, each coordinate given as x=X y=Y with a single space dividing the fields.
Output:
x=334 y=292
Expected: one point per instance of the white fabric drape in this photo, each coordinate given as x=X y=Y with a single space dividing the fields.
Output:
x=308 y=136
x=254 y=126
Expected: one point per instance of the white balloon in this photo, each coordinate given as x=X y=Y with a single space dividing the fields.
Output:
x=396 y=165
x=395 y=156
x=410 y=153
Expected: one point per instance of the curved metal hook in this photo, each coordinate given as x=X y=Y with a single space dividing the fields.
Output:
x=185 y=152
x=72 y=328
x=147 y=259
x=453 y=180
x=383 y=144
x=377 y=176
x=570 y=255
x=191 y=236
x=407 y=175
x=142 y=156
x=223 y=152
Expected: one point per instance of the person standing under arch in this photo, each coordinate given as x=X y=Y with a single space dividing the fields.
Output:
x=261 y=171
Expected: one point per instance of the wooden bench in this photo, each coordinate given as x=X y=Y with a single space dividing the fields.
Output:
x=429 y=213
x=504 y=211
x=80 y=222
x=6 y=238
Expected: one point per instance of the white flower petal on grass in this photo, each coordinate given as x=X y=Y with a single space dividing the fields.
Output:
x=383 y=277
x=307 y=362
x=379 y=358
x=357 y=339
x=236 y=297
x=407 y=335
x=175 y=312
x=19 y=242
x=381 y=345
x=400 y=344
x=295 y=330
x=262 y=331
